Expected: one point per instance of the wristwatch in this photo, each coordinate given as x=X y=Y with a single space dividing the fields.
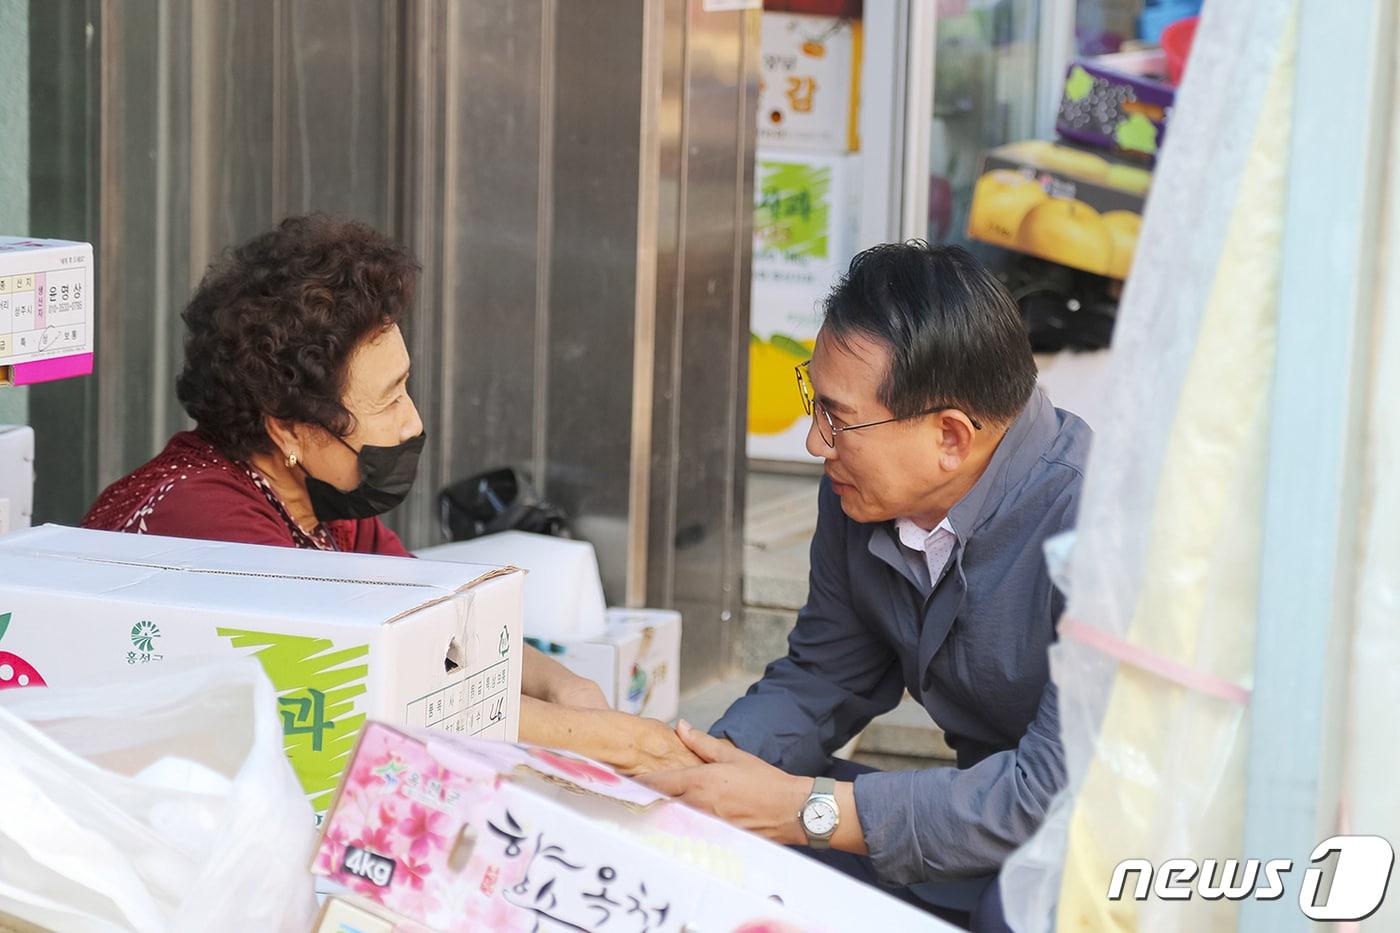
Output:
x=820 y=816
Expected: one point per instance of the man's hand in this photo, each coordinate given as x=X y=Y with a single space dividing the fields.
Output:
x=736 y=787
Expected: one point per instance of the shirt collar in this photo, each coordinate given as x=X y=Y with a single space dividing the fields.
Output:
x=916 y=538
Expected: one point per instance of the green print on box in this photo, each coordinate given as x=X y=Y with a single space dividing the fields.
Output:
x=793 y=214
x=316 y=688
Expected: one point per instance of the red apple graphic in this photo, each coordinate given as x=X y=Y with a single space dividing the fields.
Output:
x=14 y=670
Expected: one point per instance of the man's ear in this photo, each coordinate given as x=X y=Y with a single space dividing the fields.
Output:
x=955 y=437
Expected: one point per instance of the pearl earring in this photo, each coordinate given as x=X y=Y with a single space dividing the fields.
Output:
x=291 y=460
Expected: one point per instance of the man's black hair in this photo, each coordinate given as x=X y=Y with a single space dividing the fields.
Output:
x=955 y=335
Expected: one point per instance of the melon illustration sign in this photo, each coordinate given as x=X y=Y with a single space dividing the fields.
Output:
x=316 y=687
x=15 y=671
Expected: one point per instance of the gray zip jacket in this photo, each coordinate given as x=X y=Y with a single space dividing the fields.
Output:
x=971 y=648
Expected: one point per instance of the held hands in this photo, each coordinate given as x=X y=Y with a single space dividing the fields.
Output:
x=655 y=748
x=630 y=744
x=735 y=786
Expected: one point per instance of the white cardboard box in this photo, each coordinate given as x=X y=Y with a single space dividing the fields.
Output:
x=809 y=82
x=636 y=662
x=46 y=309
x=16 y=476
x=464 y=834
x=344 y=637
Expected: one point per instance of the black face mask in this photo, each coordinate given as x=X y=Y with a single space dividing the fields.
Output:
x=386 y=476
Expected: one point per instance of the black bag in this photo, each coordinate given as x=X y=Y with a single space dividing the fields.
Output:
x=503 y=499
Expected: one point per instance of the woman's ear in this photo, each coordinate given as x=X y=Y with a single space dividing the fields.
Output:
x=284 y=436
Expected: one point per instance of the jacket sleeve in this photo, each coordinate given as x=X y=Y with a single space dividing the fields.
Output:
x=836 y=677
x=944 y=823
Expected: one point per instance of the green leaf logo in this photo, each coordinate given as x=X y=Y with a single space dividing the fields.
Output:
x=144 y=635
x=1079 y=84
x=1137 y=133
x=316 y=689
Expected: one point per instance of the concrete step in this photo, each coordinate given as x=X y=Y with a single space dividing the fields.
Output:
x=703 y=706
x=906 y=731
x=778 y=523
x=904 y=739
x=763 y=635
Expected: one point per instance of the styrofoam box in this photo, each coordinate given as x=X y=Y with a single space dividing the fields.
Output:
x=344 y=638
x=636 y=662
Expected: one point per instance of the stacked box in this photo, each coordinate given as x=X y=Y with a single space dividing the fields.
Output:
x=636 y=662
x=1061 y=203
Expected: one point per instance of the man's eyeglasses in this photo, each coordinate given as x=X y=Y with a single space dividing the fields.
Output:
x=827 y=428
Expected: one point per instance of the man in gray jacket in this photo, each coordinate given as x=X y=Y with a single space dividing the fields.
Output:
x=946 y=470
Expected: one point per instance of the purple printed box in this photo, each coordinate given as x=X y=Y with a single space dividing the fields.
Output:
x=1114 y=110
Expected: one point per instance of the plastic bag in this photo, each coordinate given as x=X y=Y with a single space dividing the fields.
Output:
x=165 y=804
x=1164 y=567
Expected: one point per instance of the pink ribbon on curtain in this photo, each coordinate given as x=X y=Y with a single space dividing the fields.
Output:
x=1145 y=660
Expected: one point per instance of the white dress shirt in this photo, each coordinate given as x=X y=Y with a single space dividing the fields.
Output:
x=932 y=547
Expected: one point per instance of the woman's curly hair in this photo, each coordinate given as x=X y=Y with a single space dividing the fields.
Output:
x=272 y=326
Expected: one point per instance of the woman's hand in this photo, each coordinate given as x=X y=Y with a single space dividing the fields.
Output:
x=578 y=692
x=546 y=679
x=630 y=744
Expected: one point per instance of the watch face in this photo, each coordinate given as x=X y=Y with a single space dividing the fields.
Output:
x=819 y=817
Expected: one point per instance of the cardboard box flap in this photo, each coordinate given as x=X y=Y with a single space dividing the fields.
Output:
x=20 y=244
x=289 y=582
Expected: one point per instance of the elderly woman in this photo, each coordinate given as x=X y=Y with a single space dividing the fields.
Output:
x=296 y=376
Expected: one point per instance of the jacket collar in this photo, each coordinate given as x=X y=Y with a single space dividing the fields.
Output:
x=1020 y=448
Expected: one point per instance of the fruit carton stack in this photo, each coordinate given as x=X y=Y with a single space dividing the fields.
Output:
x=1061 y=203
x=1079 y=201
